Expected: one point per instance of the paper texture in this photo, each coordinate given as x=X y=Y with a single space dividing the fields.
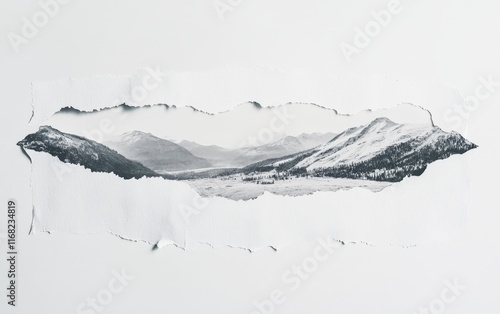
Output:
x=419 y=209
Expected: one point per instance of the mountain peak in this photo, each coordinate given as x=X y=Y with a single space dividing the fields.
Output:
x=135 y=135
x=378 y=124
x=156 y=153
x=48 y=128
x=287 y=140
x=383 y=121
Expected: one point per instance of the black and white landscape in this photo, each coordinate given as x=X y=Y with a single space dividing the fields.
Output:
x=372 y=155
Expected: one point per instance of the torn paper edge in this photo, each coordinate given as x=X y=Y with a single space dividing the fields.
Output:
x=71 y=92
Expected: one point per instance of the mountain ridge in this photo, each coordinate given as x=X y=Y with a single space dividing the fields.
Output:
x=79 y=150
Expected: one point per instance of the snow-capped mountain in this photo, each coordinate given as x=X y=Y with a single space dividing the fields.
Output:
x=156 y=153
x=79 y=150
x=382 y=150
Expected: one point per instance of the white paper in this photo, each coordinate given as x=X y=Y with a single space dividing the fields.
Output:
x=69 y=198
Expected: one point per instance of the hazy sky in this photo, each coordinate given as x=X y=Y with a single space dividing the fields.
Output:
x=247 y=124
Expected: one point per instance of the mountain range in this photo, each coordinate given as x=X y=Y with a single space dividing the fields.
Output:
x=381 y=150
x=217 y=156
x=156 y=153
x=240 y=157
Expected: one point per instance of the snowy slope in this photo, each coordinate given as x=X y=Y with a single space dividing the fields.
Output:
x=364 y=142
x=381 y=150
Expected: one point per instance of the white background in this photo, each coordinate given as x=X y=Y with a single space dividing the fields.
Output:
x=454 y=42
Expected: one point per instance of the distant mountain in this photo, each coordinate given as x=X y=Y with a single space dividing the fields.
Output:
x=283 y=147
x=216 y=155
x=240 y=157
x=382 y=150
x=311 y=140
x=156 y=153
x=79 y=150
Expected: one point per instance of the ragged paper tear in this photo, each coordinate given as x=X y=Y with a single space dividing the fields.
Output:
x=140 y=157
